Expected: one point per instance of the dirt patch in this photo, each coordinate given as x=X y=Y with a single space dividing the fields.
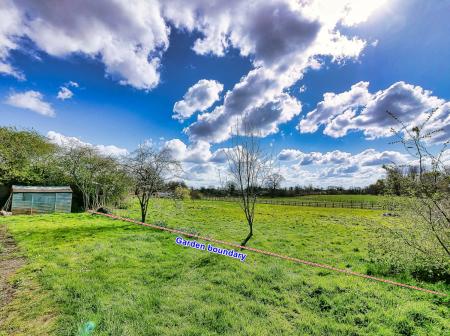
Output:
x=10 y=262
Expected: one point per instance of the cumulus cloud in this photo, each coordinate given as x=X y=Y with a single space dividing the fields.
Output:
x=336 y=167
x=64 y=93
x=197 y=152
x=258 y=98
x=199 y=97
x=200 y=165
x=334 y=104
x=360 y=110
x=9 y=32
x=31 y=100
x=283 y=39
x=128 y=37
x=204 y=167
x=68 y=141
x=368 y=157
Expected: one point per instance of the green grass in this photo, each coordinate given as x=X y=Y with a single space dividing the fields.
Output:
x=131 y=280
x=335 y=198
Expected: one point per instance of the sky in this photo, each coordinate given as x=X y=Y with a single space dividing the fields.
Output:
x=314 y=77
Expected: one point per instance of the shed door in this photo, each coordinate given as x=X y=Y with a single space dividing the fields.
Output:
x=63 y=202
x=43 y=202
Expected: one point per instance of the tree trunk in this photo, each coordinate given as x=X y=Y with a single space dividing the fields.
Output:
x=250 y=234
x=143 y=213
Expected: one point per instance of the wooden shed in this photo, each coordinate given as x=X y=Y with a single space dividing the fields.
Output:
x=38 y=200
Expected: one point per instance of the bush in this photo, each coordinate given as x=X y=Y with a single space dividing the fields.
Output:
x=416 y=240
x=182 y=193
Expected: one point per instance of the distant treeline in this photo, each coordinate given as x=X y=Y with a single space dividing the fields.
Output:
x=392 y=184
x=381 y=187
x=230 y=190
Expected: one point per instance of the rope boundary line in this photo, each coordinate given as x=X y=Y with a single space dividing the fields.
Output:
x=296 y=260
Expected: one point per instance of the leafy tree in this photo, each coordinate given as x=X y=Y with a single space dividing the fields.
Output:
x=100 y=179
x=25 y=157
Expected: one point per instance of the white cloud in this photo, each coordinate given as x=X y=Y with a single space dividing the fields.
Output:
x=64 y=93
x=197 y=152
x=368 y=157
x=7 y=69
x=128 y=37
x=201 y=96
x=67 y=141
x=72 y=83
x=445 y=158
x=334 y=104
x=360 y=110
x=31 y=100
x=336 y=167
x=9 y=31
x=202 y=167
x=283 y=39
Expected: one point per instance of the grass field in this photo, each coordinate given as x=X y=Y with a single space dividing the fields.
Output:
x=335 y=198
x=130 y=280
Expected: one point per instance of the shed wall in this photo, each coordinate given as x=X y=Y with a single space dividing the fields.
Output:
x=37 y=203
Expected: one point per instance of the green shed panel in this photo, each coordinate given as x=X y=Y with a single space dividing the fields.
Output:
x=39 y=200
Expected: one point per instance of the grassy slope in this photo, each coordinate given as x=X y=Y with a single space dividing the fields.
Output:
x=131 y=280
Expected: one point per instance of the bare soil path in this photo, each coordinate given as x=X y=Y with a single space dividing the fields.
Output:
x=10 y=262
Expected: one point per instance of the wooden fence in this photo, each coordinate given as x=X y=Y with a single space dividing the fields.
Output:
x=310 y=203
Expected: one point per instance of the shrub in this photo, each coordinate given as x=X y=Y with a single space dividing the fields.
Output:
x=182 y=193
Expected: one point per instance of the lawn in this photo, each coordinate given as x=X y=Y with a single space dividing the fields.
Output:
x=130 y=280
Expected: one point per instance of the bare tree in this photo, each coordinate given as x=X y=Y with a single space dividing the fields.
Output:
x=273 y=182
x=248 y=166
x=149 y=169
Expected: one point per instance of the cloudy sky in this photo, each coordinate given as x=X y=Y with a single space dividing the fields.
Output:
x=314 y=76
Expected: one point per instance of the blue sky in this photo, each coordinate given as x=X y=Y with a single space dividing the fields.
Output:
x=400 y=49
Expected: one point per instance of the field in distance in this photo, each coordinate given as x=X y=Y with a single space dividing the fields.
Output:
x=130 y=280
x=336 y=198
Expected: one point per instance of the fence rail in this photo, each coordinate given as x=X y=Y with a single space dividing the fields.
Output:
x=309 y=203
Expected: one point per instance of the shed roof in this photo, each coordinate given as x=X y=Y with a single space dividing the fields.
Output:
x=32 y=189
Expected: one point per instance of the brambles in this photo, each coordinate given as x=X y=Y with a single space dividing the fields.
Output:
x=419 y=242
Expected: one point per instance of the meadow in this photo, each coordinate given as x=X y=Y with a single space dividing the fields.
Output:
x=336 y=198
x=121 y=279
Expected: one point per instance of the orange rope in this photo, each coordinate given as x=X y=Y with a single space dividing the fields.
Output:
x=300 y=261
